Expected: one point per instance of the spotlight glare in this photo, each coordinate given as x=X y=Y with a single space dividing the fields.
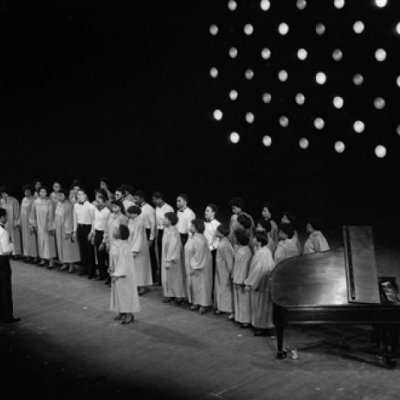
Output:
x=283 y=28
x=284 y=121
x=283 y=75
x=339 y=147
x=303 y=143
x=398 y=129
x=234 y=137
x=320 y=77
x=218 y=114
x=320 y=29
x=267 y=141
x=319 y=123
x=398 y=81
x=232 y=5
x=265 y=5
x=380 y=151
x=249 y=74
x=267 y=98
x=337 y=54
x=266 y=53
x=301 y=4
x=358 y=27
x=359 y=126
x=380 y=3
x=213 y=29
x=302 y=54
x=380 y=55
x=339 y=4
x=338 y=102
x=233 y=52
x=248 y=29
x=233 y=95
x=358 y=79
x=250 y=117
x=213 y=72
x=300 y=99
x=379 y=103
x=398 y=28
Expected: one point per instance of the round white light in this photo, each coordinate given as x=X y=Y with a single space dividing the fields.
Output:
x=379 y=103
x=380 y=55
x=320 y=29
x=302 y=54
x=266 y=98
x=283 y=28
x=249 y=74
x=213 y=29
x=267 y=141
x=248 y=29
x=320 y=77
x=380 y=3
x=233 y=95
x=283 y=75
x=218 y=114
x=233 y=52
x=398 y=130
x=338 y=102
x=339 y=146
x=213 y=72
x=301 y=4
x=232 y=5
x=398 y=81
x=303 y=143
x=358 y=27
x=398 y=28
x=319 y=123
x=358 y=79
x=265 y=53
x=265 y=5
x=284 y=121
x=234 y=137
x=250 y=117
x=359 y=126
x=300 y=99
x=337 y=54
x=339 y=4
x=380 y=151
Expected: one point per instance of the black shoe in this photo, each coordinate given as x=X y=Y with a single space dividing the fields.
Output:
x=10 y=320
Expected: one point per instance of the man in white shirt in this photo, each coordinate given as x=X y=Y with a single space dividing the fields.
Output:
x=83 y=221
x=185 y=217
x=161 y=209
x=149 y=220
x=6 y=249
x=120 y=194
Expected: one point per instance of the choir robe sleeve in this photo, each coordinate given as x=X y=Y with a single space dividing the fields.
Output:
x=320 y=243
x=199 y=259
x=16 y=212
x=137 y=237
x=33 y=216
x=228 y=256
x=75 y=219
x=192 y=216
x=261 y=266
x=242 y=264
x=123 y=262
x=174 y=248
x=152 y=218
x=68 y=218
x=50 y=215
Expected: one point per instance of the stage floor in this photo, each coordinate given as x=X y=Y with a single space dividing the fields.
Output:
x=68 y=346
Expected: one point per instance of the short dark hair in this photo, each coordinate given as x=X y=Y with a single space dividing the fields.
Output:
x=140 y=193
x=265 y=224
x=237 y=202
x=184 y=197
x=262 y=238
x=102 y=192
x=199 y=225
x=4 y=189
x=123 y=232
x=100 y=196
x=213 y=207
x=64 y=192
x=223 y=229
x=134 y=210
x=106 y=180
x=245 y=221
x=121 y=188
x=291 y=217
x=3 y=212
x=270 y=207
x=287 y=229
x=316 y=223
x=172 y=217
x=158 y=195
x=242 y=237
x=75 y=182
x=28 y=186
x=119 y=204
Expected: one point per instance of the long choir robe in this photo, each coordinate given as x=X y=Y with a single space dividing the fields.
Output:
x=287 y=248
x=223 y=295
x=316 y=242
x=188 y=253
x=242 y=300
x=124 y=294
x=42 y=219
x=68 y=251
x=29 y=238
x=12 y=226
x=172 y=269
x=140 y=248
x=272 y=245
x=201 y=271
x=113 y=223
x=261 y=267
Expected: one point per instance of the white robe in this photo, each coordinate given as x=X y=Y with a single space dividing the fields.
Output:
x=172 y=269
x=12 y=226
x=286 y=249
x=113 y=223
x=241 y=295
x=223 y=295
x=124 y=294
x=315 y=242
x=261 y=267
x=187 y=255
x=29 y=239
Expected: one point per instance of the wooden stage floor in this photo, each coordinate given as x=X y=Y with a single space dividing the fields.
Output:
x=68 y=346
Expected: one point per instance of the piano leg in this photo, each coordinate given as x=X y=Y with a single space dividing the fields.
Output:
x=280 y=354
x=388 y=337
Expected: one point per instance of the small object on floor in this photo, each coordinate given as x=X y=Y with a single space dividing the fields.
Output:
x=119 y=317
x=63 y=267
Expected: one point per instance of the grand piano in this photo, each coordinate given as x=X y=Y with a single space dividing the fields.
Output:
x=340 y=286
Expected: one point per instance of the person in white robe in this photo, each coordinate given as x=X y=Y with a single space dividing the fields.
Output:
x=264 y=226
x=124 y=293
x=29 y=239
x=55 y=192
x=67 y=249
x=257 y=282
x=287 y=247
x=267 y=213
x=11 y=205
x=139 y=248
x=200 y=274
x=316 y=241
x=289 y=218
x=172 y=269
x=41 y=221
x=237 y=206
x=223 y=289
x=242 y=302
x=187 y=254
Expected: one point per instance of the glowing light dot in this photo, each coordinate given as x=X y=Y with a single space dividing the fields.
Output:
x=233 y=52
x=300 y=99
x=398 y=81
x=380 y=55
x=249 y=74
x=213 y=29
x=283 y=75
x=301 y=4
x=358 y=79
x=250 y=117
x=320 y=29
x=358 y=27
x=284 y=121
x=283 y=28
x=303 y=143
x=302 y=54
x=380 y=151
x=338 y=102
x=267 y=98
x=398 y=28
x=379 y=103
x=232 y=5
x=337 y=54
x=339 y=147
x=213 y=72
x=319 y=123
x=248 y=29
x=267 y=141
x=233 y=95
x=339 y=4
x=234 y=137
x=218 y=114
x=320 y=77
x=381 y=3
x=359 y=126
x=265 y=53
x=398 y=130
x=265 y=5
